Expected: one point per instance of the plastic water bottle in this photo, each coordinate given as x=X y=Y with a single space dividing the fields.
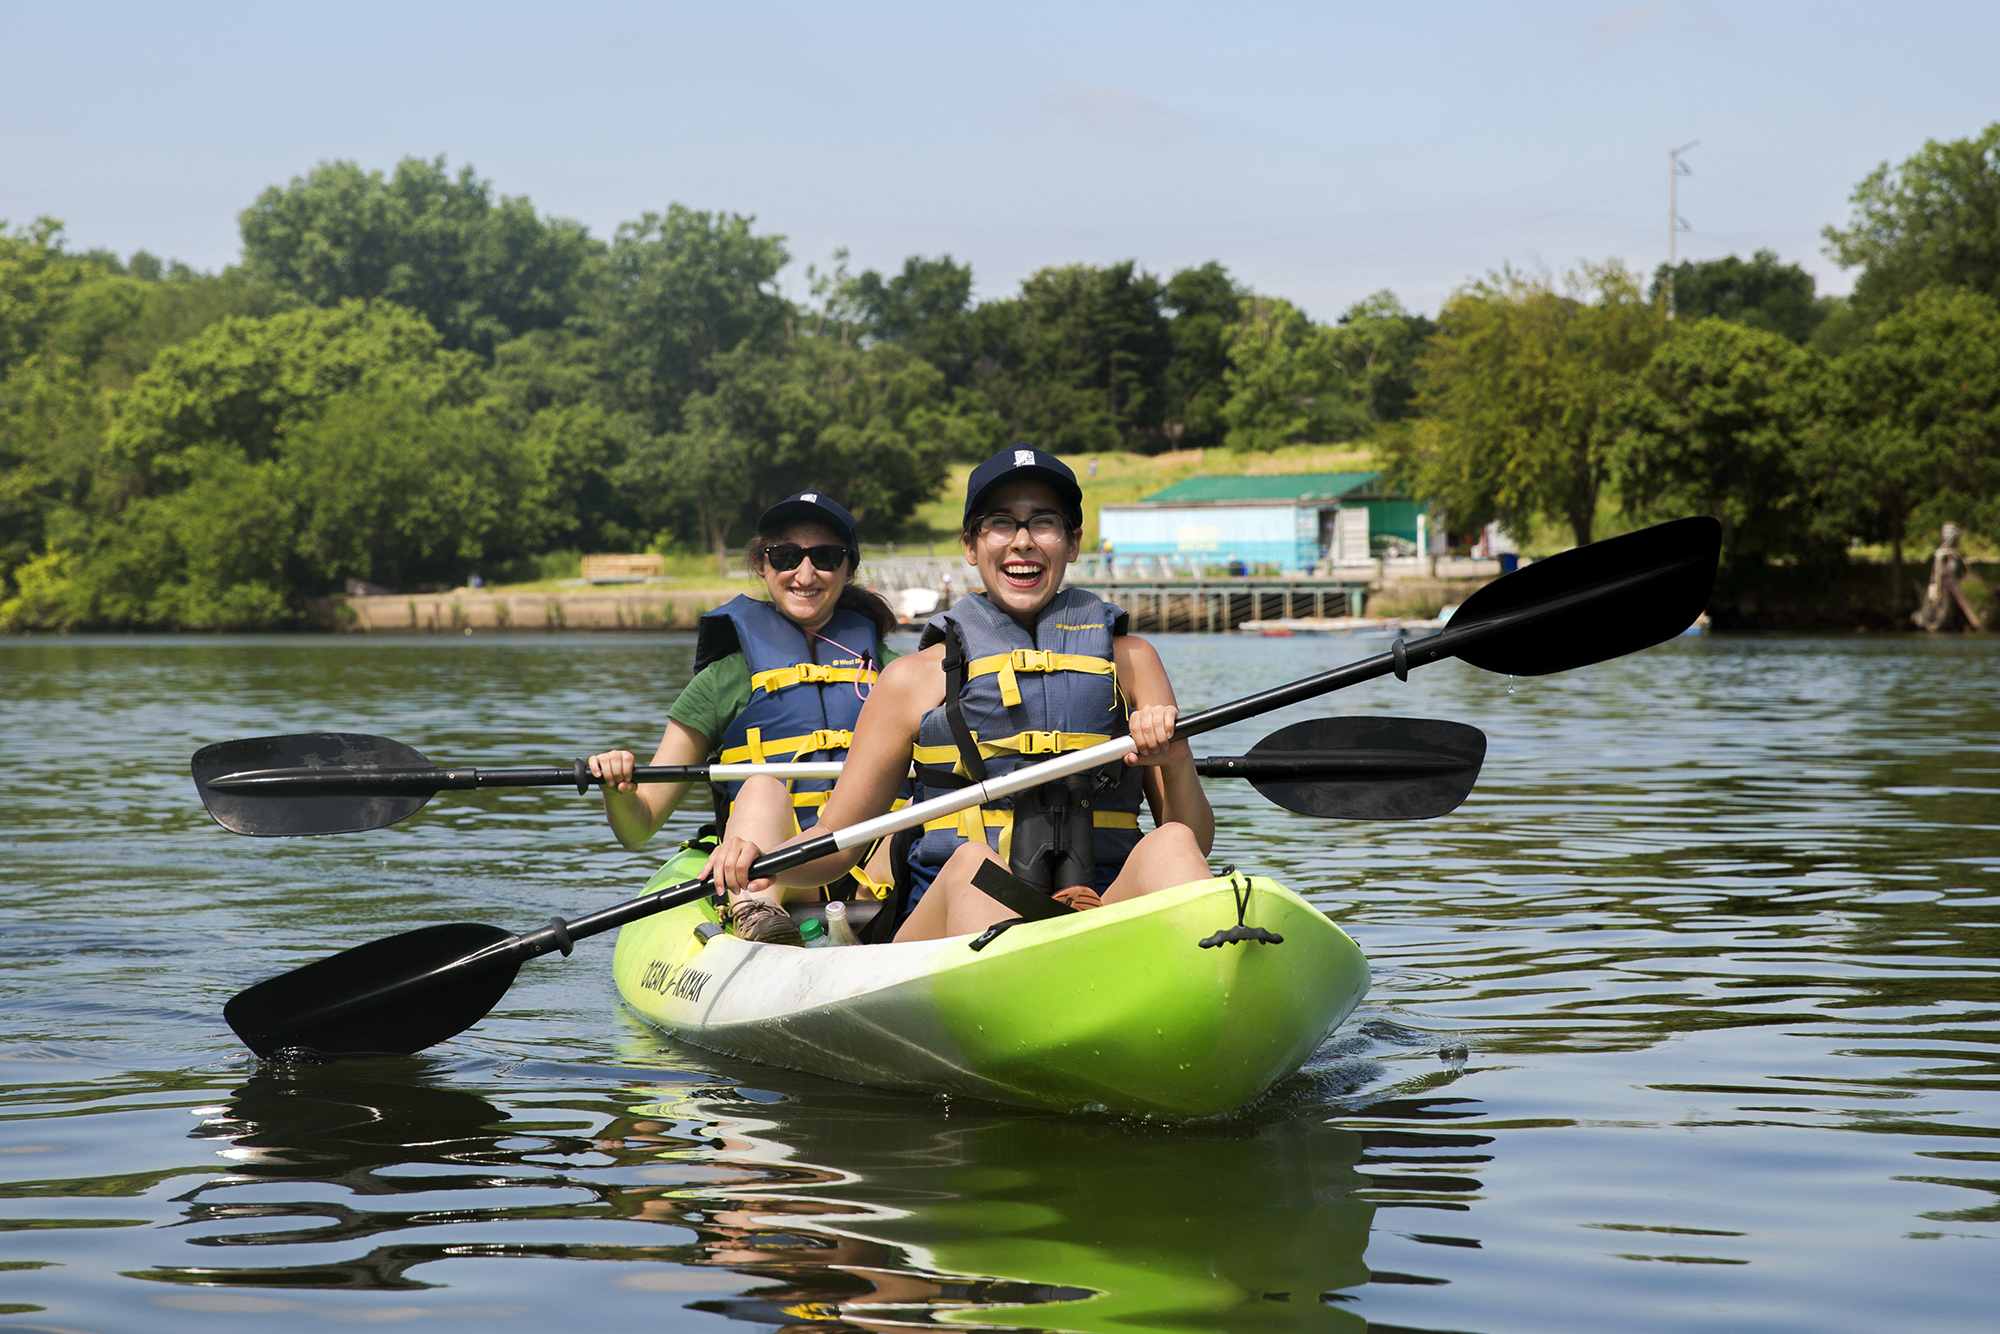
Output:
x=811 y=934
x=838 y=932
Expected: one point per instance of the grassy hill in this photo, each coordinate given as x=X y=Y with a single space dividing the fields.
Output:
x=1123 y=477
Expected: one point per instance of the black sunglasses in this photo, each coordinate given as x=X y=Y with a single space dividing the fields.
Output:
x=828 y=559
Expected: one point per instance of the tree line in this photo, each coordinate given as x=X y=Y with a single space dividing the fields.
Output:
x=408 y=377
x=1806 y=425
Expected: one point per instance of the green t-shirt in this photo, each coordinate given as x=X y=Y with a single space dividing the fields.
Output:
x=721 y=690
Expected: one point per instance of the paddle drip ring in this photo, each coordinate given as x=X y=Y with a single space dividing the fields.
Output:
x=1237 y=934
x=561 y=930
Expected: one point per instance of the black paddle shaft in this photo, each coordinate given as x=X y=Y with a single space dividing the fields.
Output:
x=429 y=778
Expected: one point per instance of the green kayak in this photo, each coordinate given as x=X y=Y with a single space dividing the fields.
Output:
x=1117 y=1009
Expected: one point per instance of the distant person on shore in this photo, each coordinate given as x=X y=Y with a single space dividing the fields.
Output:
x=774 y=681
x=1946 y=594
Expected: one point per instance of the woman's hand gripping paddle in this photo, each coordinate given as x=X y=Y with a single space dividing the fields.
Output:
x=414 y=990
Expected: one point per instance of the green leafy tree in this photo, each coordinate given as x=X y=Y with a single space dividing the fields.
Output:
x=1917 y=425
x=1714 y=424
x=243 y=382
x=1520 y=385
x=36 y=280
x=873 y=426
x=222 y=495
x=927 y=308
x=682 y=289
x=480 y=269
x=75 y=330
x=577 y=452
x=1078 y=360
x=392 y=487
x=1284 y=383
x=1758 y=293
x=1375 y=347
x=1934 y=219
x=1202 y=306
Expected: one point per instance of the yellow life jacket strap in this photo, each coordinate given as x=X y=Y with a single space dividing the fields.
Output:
x=807 y=673
x=975 y=821
x=756 y=750
x=1021 y=743
x=877 y=889
x=1005 y=665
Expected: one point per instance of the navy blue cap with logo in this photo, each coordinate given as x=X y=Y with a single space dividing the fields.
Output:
x=1024 y=460
x=810 y=507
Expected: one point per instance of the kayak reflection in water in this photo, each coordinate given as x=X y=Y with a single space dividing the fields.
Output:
x=775 y=681
x=1024 y=670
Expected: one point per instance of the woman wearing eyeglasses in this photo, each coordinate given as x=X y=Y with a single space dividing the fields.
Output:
x=1025 y=670
x=776 y=681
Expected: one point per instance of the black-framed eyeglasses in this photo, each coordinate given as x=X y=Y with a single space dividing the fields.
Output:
x=1043 y=527
x=828 y=559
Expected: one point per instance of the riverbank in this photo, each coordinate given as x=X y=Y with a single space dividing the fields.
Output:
x=470 y=611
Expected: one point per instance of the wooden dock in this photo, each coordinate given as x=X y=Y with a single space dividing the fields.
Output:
x=1217 y=606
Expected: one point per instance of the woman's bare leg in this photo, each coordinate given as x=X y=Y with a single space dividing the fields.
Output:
x=1166 y=857
x=953 y=905
x=762 y=813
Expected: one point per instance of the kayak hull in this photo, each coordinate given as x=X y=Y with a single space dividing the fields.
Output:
x=1117 y=1009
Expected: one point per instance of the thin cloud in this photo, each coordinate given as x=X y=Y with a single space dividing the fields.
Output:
x=1113 y=113
x=1673 y=15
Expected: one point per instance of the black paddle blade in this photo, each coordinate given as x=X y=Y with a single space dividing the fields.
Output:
x=322 y=1009
x=1628 y=593
x=1362 y=768
x=328 y=811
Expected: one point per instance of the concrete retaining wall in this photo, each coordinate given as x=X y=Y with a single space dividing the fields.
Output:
x=466 y=612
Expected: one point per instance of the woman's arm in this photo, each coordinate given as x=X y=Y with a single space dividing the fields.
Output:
x=876 y=766
x=637 y=810
x=1173 y=788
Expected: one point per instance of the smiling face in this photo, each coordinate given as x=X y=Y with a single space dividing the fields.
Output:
x=805 y=593
x=1021 y=572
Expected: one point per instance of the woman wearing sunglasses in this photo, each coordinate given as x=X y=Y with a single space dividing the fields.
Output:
x=1024 y=670
x=774 y=681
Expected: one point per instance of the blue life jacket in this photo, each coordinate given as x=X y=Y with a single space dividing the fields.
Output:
x=800 y=709
x=1023 y=698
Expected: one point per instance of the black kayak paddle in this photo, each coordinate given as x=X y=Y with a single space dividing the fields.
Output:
x=346 y=782
x=419 y=988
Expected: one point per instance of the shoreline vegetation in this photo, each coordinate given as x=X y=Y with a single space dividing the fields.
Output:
x=410 y=379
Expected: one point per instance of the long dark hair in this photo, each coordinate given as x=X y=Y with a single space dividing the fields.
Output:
x=864 y=602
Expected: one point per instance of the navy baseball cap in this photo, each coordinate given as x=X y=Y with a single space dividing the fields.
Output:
x=810 y=507
x=1024 y=460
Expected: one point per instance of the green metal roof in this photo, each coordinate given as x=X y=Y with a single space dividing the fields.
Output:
x=1271 y=486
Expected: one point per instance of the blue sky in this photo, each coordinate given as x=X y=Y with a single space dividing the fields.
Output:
x=1320 y=152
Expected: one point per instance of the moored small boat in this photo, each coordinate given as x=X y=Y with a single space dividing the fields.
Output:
x=1119 y=1008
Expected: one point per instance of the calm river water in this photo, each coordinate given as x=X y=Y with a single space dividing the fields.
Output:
x=1686 y=1020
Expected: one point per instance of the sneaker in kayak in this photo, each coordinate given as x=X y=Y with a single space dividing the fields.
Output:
x=762 y=921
